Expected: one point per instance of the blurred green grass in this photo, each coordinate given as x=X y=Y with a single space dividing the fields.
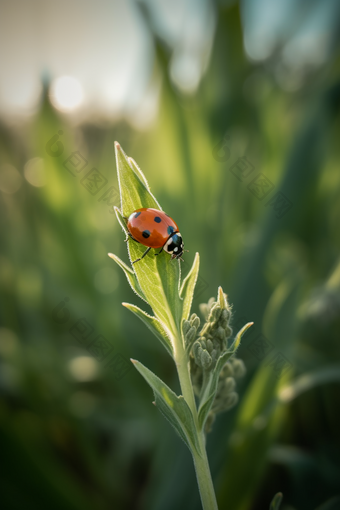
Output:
x=87 y=439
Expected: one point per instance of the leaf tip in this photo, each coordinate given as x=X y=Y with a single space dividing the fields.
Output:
x=117 y=146
x=220 y=297
x=134 y=361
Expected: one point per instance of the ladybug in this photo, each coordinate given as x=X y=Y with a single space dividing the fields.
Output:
x=155 y=229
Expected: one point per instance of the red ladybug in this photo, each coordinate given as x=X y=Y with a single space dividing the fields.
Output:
x=155 y=229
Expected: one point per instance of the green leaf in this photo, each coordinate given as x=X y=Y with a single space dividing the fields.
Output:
x=276 y=501
x=130 y=275
x=210 y=389
x=134 y=192
x=234 y=346
x=174 y=408
x=188 y=287
x=309 y=380
x=158 y=276
x=121 y=220
x=139 y=172
x=157 y=328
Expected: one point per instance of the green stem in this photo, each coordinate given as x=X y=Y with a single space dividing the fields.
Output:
x=204 y=479
x=201 y=463
x=185 y=381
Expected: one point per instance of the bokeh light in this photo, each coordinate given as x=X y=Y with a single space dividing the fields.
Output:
x=34 y=172
x=83 y=368
x=66 y=93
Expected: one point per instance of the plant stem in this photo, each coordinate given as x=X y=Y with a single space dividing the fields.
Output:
x=204 y=480
x=185 y=381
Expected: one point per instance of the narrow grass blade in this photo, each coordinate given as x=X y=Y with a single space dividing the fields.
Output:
x=154 y=325
x=134 y=193
x=130 y=275
x=188 y=287
x=209 y=392
x=276 y=501
x=174 y=408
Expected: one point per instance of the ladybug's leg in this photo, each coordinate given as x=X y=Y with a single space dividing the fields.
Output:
x=130 y=235
x=146 y=251
x=160 y=251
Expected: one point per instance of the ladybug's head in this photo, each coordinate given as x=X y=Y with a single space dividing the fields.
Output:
x=174 y=245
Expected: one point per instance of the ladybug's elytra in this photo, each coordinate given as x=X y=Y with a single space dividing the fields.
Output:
x=155 y=229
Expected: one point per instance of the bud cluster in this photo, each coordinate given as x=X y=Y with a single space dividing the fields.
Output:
x=213 y=338
x=226 y=396
x=190 y=329
x=205 y=349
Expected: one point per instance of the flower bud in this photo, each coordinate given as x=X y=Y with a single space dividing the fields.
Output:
x=210 y=346
x=225 y=314
x=238 y=367
x=220 y=333
x=227 y=370
x=214 y=356
x=215 y=313
x=196 y=346
x=190 y=335
x=215 y=341
x=218 y=351
x=228 y=332
x=197 y=350
x=185 y=326
x=230 y=401
x=195 y=321
x=229 y=385
x=205 y=359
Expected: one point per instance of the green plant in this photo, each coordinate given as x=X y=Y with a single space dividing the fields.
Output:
x=276 y=502
x=204 y=359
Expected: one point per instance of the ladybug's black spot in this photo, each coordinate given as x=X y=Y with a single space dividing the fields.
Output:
x=146 y=233
x=170 y=230
x=137 y=214
x=157 y=219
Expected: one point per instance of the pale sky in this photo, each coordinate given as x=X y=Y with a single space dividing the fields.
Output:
x=99 y=55
x=104 y=46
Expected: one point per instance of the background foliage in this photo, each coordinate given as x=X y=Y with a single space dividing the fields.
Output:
x=76 y=434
